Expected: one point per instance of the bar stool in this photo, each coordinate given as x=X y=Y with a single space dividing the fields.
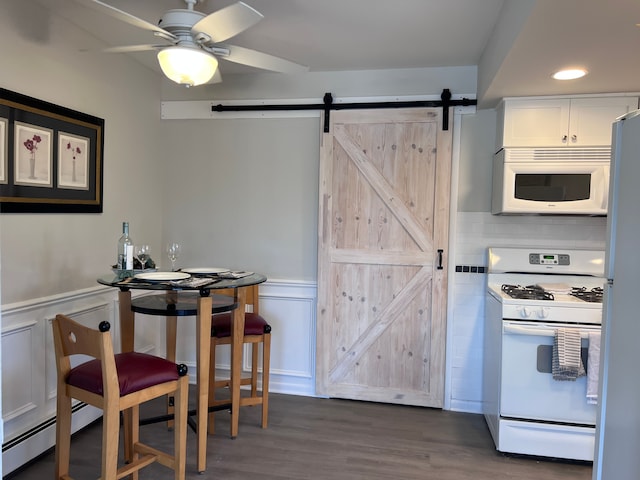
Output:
x=256 y=331
x=115 y=383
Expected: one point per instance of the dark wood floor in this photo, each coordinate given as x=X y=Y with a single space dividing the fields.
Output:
x=311 y=438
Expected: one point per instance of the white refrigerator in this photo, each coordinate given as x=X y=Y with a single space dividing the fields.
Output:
x=617 y=450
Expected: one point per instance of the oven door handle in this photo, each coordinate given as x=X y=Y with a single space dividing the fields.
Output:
x=536 y=332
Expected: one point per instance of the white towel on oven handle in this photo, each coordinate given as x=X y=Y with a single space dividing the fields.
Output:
x=567 y=355
x=593 y=368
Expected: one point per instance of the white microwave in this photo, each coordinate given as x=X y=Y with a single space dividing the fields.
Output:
x=551 y=181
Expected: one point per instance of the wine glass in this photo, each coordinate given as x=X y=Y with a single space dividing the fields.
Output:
x=142 y=254
x=173 y=250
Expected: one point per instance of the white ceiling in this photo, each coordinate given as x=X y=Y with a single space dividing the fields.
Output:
x=516 y=44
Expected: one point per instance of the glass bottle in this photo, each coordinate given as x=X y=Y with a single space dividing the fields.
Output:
x=125 y=249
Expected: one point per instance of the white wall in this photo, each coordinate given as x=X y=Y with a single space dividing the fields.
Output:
x=243 y=193
x=348 y=84
x=48 y=254
x=476 y=161
x=55 y=255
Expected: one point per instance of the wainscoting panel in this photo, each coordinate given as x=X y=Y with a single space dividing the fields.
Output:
x=28 y=368
x=29 y=374
x=290 y=308
x=18 y=348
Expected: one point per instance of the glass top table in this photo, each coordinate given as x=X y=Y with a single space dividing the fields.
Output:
x=217 y=282
x=204 y=298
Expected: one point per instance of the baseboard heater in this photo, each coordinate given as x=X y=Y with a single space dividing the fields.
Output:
x=23 y=449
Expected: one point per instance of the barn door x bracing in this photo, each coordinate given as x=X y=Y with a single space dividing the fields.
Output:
x=384 y=215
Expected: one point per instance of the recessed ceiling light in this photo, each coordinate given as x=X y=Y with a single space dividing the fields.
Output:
x=570 y=74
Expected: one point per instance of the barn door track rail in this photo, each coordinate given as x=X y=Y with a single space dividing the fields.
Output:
x=445 y=102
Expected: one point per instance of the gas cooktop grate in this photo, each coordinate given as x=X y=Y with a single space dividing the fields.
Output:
x=594 y=295
x=531 y=292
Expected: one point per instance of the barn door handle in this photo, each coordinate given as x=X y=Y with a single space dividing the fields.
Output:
x=440 y=252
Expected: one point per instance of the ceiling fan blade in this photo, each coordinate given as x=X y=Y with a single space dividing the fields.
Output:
x=126 y=17
x=253 y=58
x=133 y=48
x=227 y=22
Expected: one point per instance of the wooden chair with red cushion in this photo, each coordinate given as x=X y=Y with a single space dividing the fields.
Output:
x=256 y=331
x=115 y=383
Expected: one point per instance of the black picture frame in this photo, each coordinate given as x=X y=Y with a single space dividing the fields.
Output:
x=51 y=157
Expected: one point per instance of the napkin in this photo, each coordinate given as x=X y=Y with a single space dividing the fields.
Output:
x=234 y=275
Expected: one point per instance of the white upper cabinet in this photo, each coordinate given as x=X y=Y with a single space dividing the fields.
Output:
x=559 y=122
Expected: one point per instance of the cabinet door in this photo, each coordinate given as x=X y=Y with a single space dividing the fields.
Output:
x=590 y=119
x=536 y=123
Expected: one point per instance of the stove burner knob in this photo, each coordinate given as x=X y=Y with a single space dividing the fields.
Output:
x=525 y=312
x=543 y=313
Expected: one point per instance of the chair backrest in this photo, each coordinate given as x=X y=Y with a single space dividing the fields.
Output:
x=252 y=297
x=71 y=338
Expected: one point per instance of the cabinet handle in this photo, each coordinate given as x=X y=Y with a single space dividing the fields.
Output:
x=440 y=252
x=564 y=139
x=574 y=138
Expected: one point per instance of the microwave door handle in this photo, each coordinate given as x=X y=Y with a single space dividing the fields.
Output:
x=537 y=332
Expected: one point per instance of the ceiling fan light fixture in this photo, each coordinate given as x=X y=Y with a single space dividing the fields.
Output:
x=187 y=66
x=570 y=74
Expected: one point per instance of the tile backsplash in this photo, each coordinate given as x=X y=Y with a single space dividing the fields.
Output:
x=476 y=231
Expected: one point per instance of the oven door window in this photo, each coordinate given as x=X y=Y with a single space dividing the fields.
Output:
x=528 y=390
x=553 y=187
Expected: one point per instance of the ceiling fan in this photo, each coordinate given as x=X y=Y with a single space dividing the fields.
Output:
x=192 y=41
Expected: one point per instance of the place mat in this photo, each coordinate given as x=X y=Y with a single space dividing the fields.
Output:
x=235 y=275
x=194 y=282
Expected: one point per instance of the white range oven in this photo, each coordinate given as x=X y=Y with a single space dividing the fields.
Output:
x=543 y=315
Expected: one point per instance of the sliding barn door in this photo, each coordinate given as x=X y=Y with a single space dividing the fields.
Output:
x=384 y=216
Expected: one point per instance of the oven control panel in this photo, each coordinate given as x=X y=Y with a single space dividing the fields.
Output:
x=549 y=259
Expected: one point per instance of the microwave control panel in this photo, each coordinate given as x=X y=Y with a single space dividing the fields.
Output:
x=549 y=259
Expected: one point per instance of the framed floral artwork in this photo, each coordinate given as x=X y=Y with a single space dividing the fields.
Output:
x=32 y=155
x=53 y=157
x=3 y=150
x=73 y=161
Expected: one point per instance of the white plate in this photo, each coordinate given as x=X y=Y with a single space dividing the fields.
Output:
x=137 y=270
x=162 y=276
x=206 y=270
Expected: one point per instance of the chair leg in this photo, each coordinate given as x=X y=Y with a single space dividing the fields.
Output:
x=180 y=427
x=266 y=365
x=135 y=435
x=171 y=327
x=127 y=434
x=254 y=369
x=63 y=434
x=110 y=435
x=211 y=427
